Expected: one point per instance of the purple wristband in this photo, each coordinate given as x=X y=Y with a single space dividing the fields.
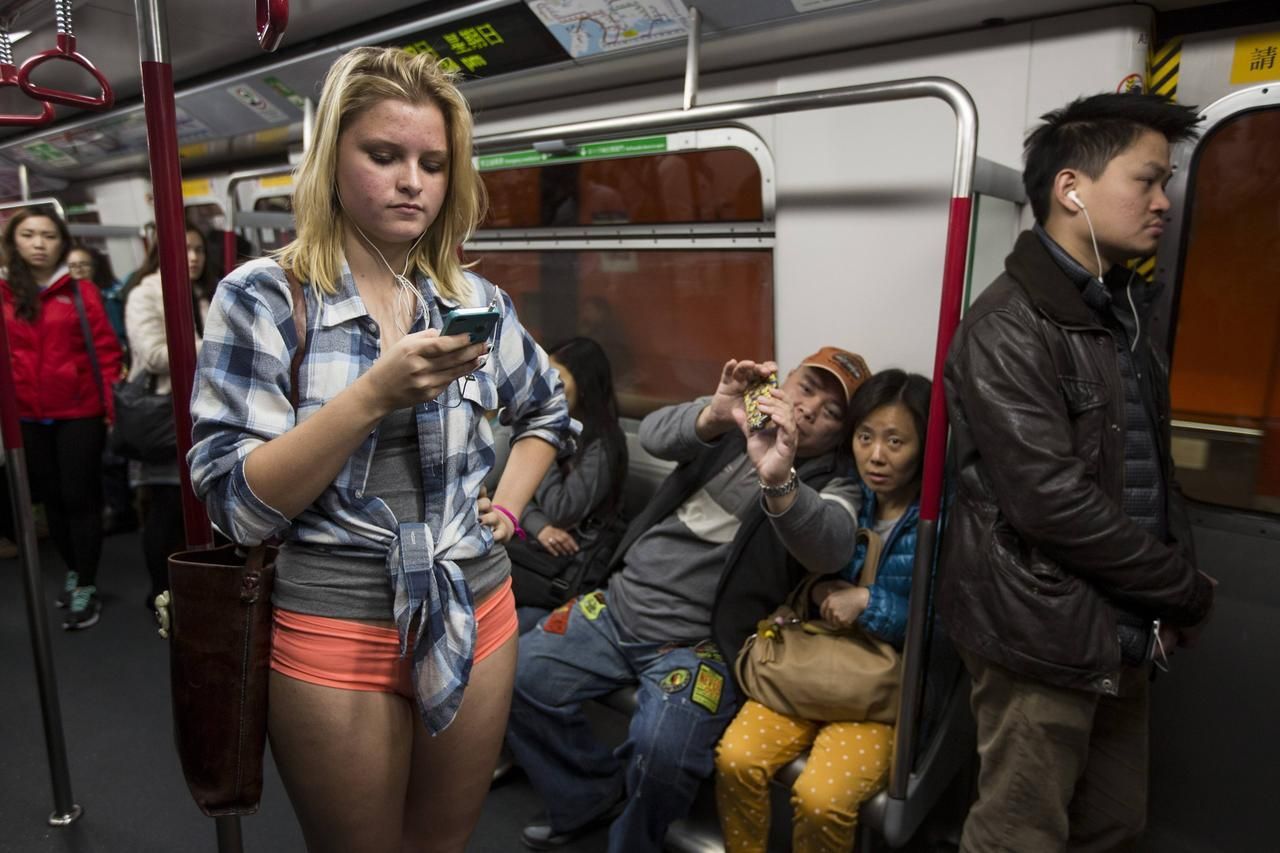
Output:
x=519 y=530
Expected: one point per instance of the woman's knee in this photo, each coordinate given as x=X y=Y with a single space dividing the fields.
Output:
x=737 y=761
x=833 y=797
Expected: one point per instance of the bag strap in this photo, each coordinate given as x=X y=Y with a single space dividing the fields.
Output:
x=88 y=341
x=299 y=326
x=871 y=563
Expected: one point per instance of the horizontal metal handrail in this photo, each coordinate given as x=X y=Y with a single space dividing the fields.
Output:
x=36 y=202
x=713 y=114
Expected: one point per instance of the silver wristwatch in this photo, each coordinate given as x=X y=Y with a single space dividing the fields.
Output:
x=792 y=483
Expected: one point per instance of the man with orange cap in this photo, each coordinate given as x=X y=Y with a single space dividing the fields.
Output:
x=757 y=499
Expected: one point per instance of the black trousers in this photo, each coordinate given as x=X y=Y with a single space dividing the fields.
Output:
x=64 y=465
x=162 y=532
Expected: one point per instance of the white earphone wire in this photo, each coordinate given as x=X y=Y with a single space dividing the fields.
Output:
x=1137 y=323
x=406 y=287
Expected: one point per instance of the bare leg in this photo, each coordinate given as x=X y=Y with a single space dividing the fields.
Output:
x=451 y=772
x=344 y=758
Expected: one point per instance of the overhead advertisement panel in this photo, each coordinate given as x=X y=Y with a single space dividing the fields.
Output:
x=510 y=38
x=592 y=27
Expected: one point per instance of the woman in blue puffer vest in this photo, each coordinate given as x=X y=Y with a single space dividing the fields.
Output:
x=849 y=761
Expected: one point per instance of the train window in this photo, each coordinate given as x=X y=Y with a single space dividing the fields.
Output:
x=271 y=239
x=1225 y=382
x=636 y=243
x=648 y=309
x=681 y=187
x=206 y=216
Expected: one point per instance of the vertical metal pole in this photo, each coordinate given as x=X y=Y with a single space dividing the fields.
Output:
x=308 y=122
x=691 y=59
x=179 y=322
x=166 y=185
x=65 y=811
x=229 y=245
x=955 y=264
x=24 y=182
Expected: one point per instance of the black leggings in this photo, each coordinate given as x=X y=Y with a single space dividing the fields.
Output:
x=162 y=532
x=64 y=463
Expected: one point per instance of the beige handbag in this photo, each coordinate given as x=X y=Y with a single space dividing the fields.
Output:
x=810 y=669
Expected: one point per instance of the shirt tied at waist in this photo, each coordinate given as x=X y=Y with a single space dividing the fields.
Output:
x=433 y=605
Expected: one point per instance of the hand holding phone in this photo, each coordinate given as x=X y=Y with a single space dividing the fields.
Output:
x=479 y=323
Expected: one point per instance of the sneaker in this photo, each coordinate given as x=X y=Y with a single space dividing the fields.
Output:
x=8 y=549
x=506 y=762
x=538 y=834
x=68 y=586
x=85 y=609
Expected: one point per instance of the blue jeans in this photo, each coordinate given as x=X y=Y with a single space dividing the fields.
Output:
x=686 y=700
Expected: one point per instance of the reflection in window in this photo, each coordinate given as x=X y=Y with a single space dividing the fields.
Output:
x=1226 y=366
x=721 y=185
x=271 y=239
x=205 y=216
x=667 y=319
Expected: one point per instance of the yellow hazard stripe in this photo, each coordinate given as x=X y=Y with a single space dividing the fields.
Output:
x=1146 y=267
x=1163 y=66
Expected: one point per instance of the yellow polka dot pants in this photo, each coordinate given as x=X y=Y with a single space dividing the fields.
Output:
x=848 y=764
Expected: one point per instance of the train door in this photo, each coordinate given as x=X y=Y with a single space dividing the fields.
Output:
x=1215 y=759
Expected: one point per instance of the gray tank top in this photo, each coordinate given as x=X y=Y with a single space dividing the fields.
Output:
x=317 y=582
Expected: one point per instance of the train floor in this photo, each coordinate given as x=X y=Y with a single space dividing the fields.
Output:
x=113 y=686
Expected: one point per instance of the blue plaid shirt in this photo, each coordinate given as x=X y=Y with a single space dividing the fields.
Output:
x=241 y=400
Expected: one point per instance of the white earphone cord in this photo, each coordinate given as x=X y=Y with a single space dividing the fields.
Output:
x=1137 y=323
x=406 y=287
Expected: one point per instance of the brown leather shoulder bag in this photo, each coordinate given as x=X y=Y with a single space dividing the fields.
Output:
x=219 y=629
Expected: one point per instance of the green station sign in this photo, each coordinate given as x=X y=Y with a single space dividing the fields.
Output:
x=589 y=151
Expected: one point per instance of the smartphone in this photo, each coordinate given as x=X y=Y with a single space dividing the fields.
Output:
x=756 y=419
x=478 y=322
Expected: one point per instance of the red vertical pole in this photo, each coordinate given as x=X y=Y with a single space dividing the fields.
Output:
x=179 y=322
x=951 y=304
x=229 y=246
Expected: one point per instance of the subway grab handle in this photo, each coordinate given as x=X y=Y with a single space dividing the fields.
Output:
x=273 y=19
x=65 y=50
x=9 y=77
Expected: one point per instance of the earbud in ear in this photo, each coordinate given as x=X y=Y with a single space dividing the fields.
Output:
x=1075 y=196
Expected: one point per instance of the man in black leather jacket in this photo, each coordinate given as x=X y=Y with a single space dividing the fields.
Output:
x=1068 y=539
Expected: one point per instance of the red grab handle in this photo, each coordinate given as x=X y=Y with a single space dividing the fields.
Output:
x=9 y=77
x=66 y=50
x=273 y=19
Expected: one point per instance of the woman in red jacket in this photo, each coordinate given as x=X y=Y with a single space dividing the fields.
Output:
x=65 y=360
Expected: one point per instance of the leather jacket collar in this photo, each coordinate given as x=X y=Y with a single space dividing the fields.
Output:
x=1050 y=290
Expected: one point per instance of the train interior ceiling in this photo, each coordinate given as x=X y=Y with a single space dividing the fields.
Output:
x=794 y=230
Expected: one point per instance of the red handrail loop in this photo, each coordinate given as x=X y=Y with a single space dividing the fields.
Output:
x=273 y=19
x=9 y=77
x=65 y=50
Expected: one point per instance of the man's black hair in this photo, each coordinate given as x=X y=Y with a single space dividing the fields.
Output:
x=1088 y=133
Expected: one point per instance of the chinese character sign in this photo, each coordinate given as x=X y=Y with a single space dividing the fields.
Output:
x=1256 y=59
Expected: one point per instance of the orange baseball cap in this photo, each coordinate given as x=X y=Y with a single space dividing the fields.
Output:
x=850 y=368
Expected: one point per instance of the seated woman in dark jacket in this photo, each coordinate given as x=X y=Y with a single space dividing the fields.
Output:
x=577 y=506
x=850 y=760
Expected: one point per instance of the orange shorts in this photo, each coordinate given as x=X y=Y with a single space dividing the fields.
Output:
x=359 y=656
